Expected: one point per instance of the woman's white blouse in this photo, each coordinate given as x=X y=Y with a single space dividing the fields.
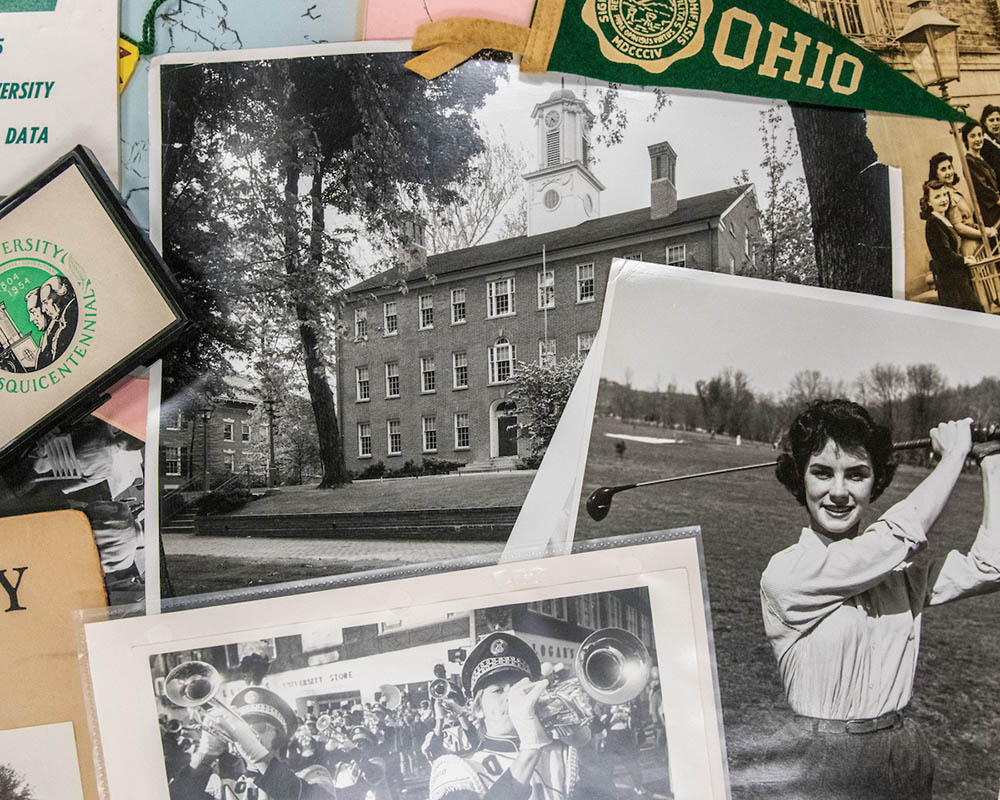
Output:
x=843 y=617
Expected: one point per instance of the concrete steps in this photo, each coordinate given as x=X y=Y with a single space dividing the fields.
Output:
x=468 y=524
x=499 y=464
x=182 y=523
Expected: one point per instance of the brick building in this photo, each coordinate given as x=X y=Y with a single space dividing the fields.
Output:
x=226 y=428
x=426 y=368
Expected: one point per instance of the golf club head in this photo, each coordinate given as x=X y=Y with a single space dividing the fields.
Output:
x=599 y=503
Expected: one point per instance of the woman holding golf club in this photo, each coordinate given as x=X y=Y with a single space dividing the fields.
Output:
x=842 y=606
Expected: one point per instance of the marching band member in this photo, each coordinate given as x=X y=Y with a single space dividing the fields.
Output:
x=359 y=772
x=261 y=730
x=517 y=758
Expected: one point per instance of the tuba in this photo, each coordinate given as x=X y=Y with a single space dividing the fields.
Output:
x=193 y=684
x=612 y=666
x=392 y=696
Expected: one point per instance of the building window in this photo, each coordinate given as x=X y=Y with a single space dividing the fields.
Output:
x=360 y=323
x=551 y=199
x=426 y=303
x=172 y=461
x=588 y=613
x=677 y=255
x=746 y=243
x=584 y=341
x=555 y=607
x=585 y=283
x=635 y=255
x=553 y=148
x=174 y=420
x=364 y=384
x=427 y=379
x=844 y=15
x=430 y=434
x=732 y=264
x=390 y=319
x=229 y=461
x=457 y=306
x=394 y=437
x=364 y=440
x=228 y=430
x=460 y=370
x=546 y=352
x=462 y=430
x=392 y=379
x=500 y=297
x=244 y=431
x=546 y=289
x=501 y=361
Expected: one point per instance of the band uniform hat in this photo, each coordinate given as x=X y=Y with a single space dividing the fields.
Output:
x=257 y=704
x=499 y=652
x=359 y=733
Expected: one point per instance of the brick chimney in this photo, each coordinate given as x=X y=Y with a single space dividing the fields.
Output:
x=411 y=251
x=662 y=187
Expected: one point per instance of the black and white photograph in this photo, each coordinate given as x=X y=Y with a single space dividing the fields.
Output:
x=448 y=705
x=396 y=282
x=39 y=763
x=840 y=456
x=583 y=676
x=98 y=468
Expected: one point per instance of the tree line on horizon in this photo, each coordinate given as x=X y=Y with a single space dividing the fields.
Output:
x=910 y=400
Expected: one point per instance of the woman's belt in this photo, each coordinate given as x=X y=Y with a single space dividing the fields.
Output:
x=891 y=719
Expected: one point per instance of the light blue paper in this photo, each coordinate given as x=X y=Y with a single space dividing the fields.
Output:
x=185 y=27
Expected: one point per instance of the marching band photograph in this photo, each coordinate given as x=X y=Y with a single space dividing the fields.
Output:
x=553 y=699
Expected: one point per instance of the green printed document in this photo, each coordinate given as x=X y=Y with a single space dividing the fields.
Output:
x=58 y=84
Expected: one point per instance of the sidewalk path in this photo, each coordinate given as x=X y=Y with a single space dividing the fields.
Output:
x=289 y=549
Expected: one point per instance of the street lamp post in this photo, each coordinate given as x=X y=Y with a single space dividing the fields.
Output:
x=206 y=415
x=271 y=465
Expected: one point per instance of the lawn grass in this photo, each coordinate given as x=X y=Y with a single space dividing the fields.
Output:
x=745 y=519
x=480 y=490
x=200 y=574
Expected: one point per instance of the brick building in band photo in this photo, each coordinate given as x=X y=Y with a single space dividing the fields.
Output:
x=426 y=367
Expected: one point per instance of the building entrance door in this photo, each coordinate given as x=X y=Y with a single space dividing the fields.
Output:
x=506 y=433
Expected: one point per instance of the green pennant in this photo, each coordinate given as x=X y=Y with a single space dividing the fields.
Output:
x=763 y=48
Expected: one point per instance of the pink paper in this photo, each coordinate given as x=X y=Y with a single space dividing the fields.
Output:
x=126 y=408
x=398 y=19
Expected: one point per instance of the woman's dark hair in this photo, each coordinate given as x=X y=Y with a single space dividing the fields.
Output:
x=936 y=160
x=988 y=109
x=850 y=426
x=925 y=206
x=968 y=128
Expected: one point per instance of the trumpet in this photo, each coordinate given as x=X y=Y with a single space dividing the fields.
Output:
x=612 y=666
x=327 y=729
x=193 y=684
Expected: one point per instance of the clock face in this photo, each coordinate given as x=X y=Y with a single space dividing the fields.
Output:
x=552 y=118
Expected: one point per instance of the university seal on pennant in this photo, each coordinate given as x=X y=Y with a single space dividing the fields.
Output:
x=651 y=34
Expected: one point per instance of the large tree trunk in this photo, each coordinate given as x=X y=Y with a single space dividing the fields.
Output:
x=323 y=402
x=849 y=195
x=320 y=394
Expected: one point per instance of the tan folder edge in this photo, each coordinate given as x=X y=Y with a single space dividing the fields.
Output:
x=49 y=570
